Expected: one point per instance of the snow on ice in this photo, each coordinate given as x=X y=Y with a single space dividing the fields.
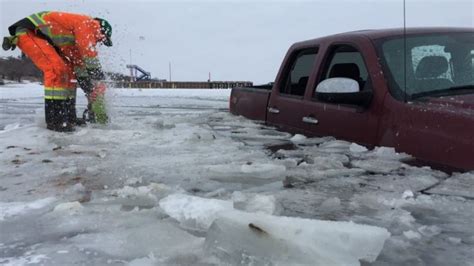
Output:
x=174 y=179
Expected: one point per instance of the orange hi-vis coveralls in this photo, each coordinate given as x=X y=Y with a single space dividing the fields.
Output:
x=63 y=46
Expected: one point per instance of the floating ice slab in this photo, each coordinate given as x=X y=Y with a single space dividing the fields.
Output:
x=390 y=153
x=262 y=168
x=377 y=165
x=69 y=207
x=298 y=138
x=138 y=240
x=458 y=185
x=242 y=238
x=336 y=146
x=393 y=182
x=194 y=212
x=356 y=148
x=10 y=209
x=254 y=203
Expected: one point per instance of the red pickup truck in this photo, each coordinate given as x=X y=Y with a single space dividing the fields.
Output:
x=410 y=89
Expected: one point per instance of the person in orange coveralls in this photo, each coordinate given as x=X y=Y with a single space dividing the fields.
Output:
x=63 y=46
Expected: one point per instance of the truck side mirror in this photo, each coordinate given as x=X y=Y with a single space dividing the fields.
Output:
x=343 y=91
x=338 y=85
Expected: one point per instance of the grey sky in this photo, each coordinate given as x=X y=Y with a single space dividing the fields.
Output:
x=234 y=40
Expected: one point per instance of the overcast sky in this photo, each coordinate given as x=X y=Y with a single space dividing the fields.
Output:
x=234 y=40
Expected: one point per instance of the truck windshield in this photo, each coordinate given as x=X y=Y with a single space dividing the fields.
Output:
x=436 y=65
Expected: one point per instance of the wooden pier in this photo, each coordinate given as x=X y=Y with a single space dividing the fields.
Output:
x=148 y=84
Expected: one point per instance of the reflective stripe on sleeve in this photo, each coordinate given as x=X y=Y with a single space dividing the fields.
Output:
x=58 y=39
x=44 y=27
x=37 y=20
x=63 y=40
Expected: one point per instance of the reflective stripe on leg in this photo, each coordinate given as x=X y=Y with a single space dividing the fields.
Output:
x=52 y=93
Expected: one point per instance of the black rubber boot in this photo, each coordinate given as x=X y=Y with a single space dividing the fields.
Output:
x=60 y=115
x=72 y=116
x=80 y=122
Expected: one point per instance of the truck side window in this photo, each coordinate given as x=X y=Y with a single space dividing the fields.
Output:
x=434 y=63
x=296 y=79
x=346 y=61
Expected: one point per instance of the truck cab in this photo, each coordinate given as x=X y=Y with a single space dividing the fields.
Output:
x=408 y=89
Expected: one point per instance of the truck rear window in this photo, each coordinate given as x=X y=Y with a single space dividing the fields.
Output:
x=296 y=78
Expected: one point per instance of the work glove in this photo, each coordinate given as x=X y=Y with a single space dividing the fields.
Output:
x=9 y=43
x=95 y=73
x=93 y=69
x=86 y=78
x=86 y=84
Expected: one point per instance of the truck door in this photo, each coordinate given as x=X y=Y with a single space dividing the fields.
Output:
x=286 y=108
x=350 y=122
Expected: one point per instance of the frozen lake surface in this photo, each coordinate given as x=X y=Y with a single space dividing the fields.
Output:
x=177 y=180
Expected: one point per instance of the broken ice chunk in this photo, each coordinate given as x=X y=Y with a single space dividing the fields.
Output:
x=390 y=153
x=237 y=237
x=356 y=148
x=194 y=212
x=330 y=204
x=408 y=194
x=10 y=209
x=255 y=203
x=455 y=240
x=429 y=231
x=412 y=234
x=298 y=138
x=70 y=207
x=256 y=168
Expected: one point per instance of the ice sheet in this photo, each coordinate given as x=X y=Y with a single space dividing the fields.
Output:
x=107 y=184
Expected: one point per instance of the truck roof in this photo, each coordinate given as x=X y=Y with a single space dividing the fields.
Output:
x=385 y=33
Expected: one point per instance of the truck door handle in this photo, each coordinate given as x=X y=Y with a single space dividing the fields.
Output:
x=310 y=120
x=273 y=110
